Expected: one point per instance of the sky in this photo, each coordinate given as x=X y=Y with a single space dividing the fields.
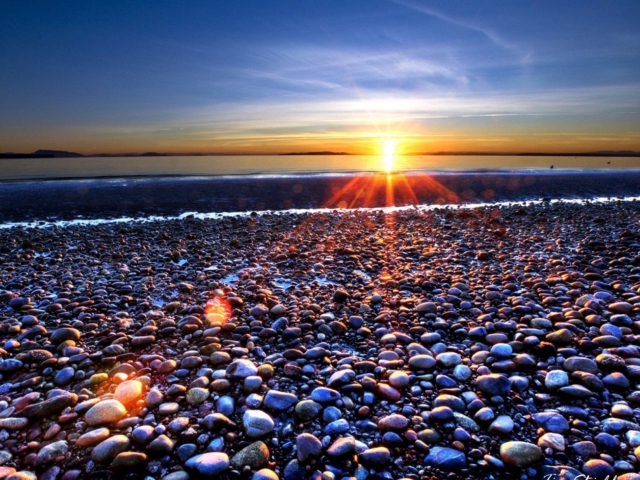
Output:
x=301 y=75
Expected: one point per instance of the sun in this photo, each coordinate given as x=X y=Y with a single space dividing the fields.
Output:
x=388 y=154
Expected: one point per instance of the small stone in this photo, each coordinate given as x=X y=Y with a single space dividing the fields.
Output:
x=60 y=335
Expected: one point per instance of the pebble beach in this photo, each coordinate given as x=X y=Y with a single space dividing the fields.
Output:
x=499 y=342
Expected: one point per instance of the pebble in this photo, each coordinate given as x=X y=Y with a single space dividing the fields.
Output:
x=556 y=379
x=377 y=456
x=108 y=449
x=255 y=456
x=502 y=424
x=241 y=369
x=520 y=454
x=494 y=384
x=208 y=465
x=128 y=392
x=446 y=458
x=127 y=461
x=257 y=423
x=307 y=445
x=105 y=412
x=552 y=440
x=52 y=451
x=279 y=401
x=93 y=437
x=118 y=360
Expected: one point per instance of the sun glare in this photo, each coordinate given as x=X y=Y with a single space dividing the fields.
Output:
x=388 y=154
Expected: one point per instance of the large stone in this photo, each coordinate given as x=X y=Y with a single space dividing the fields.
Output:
x=209 y=465
x=126 y=461
x=63 y=334
x=128 y=392
x=324 y=395
x=241 y=369
x=257 y=423
x=556 y=379
x=581 y=364
x=94 y=437
x=393 y=422
x=307 y=445
x=52 y=451
x=422 y=362
x=105 y=412
x=494 y=384
x=520 y=454
x=375 y=456
x=446 y=458
x=50 y=406
x=110 y=448
x=255 y=456
x=278 y=401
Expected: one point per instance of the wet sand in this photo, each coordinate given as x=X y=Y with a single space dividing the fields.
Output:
x=28 y=201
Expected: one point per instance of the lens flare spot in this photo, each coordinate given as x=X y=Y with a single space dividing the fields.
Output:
x=218 y=312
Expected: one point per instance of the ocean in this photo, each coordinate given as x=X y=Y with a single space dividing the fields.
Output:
x=190 y=166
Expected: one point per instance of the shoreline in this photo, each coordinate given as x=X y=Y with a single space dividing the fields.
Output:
x=259 y=174
x=412 y=343
x=70 y=199
x=311 y=211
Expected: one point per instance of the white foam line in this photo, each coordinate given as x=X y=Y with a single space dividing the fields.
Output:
x=304 y=211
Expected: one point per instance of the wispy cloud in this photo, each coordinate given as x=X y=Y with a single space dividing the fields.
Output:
x=495 y=38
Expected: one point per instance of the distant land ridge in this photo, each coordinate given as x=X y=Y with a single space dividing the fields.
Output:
x=42 y=153
x=327 y=152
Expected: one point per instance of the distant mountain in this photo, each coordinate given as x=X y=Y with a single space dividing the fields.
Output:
x=42 y=154
x=316 y=153
x=57 y=153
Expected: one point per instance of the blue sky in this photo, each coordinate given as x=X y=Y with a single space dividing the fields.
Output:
x=277 y=76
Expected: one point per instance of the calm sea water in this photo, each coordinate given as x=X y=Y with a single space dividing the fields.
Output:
x=96 y=167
